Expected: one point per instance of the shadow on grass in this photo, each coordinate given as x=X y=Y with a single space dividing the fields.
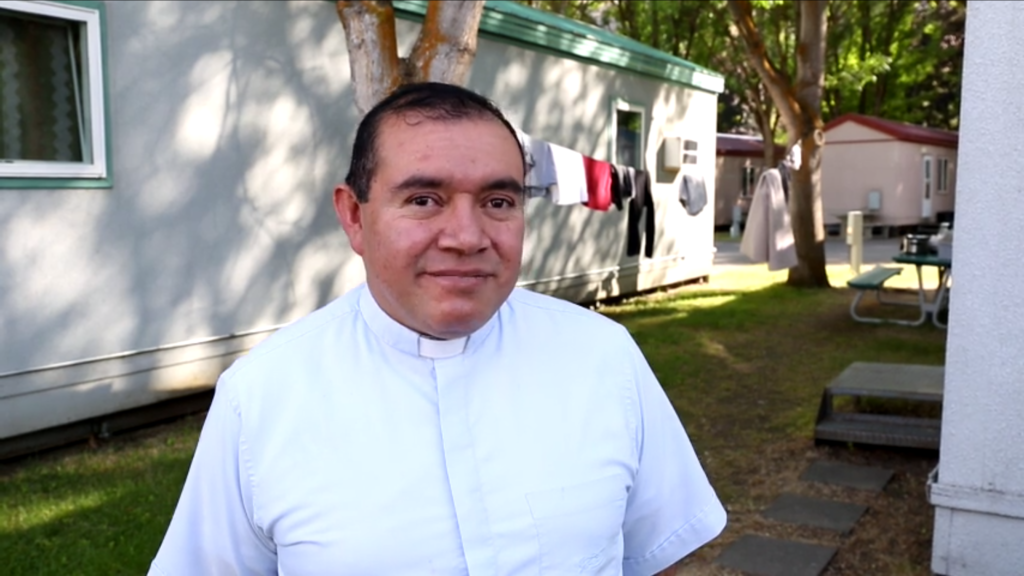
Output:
x=746 y=369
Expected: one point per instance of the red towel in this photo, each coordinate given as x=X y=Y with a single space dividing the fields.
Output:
x=599 y=184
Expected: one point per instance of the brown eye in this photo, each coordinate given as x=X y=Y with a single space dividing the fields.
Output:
x=422 y=201
x=500 y=203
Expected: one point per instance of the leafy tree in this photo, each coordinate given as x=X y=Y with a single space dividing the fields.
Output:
x=798 y=99
x=896 y=59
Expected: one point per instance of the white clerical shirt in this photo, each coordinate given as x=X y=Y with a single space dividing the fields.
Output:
x=346 y=444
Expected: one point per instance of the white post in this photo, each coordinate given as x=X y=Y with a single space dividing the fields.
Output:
x=737 y=218
x=855 y=238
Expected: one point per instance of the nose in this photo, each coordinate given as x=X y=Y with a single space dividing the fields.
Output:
x=463 y=229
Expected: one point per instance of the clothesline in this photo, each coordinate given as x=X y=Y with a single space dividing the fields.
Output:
x=567 y=177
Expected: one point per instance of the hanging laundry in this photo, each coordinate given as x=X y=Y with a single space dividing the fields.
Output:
x=641 y=212
x=622 y=184
x=692 y=193
x=540 y=166
x=599 y=184
x=572 y=178
x=768 y=236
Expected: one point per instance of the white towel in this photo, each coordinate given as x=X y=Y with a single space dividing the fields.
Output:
x=768 y=236
x=572 y=179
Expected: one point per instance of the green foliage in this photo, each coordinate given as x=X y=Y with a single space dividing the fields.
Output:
x=898 y=59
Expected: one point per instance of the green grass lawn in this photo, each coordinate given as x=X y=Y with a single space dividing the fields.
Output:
x=745 y=367
x=743 y=358
x=725 y=237
x=97 y=511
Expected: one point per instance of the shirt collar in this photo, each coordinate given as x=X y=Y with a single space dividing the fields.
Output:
x=398 y=336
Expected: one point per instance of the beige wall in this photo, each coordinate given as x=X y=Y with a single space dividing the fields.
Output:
x=729 y=182
x=857 y=160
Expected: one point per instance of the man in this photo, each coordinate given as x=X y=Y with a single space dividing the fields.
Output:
x=436 y=420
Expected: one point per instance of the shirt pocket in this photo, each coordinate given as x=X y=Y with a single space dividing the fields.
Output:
x=579 y=527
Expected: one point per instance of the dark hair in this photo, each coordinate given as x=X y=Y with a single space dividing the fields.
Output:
x=433 y=100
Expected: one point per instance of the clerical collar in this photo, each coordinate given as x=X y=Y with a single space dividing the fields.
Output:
x=410 y=342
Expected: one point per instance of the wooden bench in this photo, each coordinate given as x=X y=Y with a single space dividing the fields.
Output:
x=873 y=281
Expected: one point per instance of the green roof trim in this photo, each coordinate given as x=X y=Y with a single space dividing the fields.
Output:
x=514 y=23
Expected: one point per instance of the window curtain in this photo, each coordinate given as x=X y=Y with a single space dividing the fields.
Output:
x=40 y=93
x=627 y=144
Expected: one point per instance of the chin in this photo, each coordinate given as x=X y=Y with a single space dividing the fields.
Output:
x=457 y=325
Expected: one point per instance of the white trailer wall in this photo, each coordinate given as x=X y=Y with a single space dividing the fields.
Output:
x=230 y=123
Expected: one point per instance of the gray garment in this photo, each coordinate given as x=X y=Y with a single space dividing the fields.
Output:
x=768 y=236
x=693 y=194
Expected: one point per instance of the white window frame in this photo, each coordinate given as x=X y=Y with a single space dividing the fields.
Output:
x=747 y=191
x=621 y=105
x=942 y=175
x=94 y=122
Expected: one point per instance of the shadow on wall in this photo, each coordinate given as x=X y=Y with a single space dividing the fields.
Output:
x=570 y=105
x=227 y=141
x=226 y=147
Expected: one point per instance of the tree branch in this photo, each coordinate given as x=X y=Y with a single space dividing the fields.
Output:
x=446 y=45
x=781 y=92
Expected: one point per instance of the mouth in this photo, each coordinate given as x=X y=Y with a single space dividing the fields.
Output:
x=459 y=278
x=459 y=273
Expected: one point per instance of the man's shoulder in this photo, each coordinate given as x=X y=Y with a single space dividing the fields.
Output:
x=561 y=312
x=294 y=339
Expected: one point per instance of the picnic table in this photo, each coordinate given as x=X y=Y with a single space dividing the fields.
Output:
x=930 y=303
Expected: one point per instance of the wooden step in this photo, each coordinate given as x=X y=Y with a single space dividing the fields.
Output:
x=885 y=430
x=883 y=380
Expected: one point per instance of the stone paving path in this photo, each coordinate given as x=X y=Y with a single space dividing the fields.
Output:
x=761 y=556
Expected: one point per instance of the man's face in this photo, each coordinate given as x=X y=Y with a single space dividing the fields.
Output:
x=442 y=233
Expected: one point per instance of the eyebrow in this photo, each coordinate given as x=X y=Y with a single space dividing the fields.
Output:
x=504 y=185
x=420 y=182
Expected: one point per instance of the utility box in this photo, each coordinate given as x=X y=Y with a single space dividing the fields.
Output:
x=672 y=153
x=874 y=200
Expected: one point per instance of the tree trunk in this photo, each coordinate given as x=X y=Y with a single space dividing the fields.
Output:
x=446 y=45
x=372 y=49
x=655 y=25
x=805 y=194
x=443 y=52
x=800 y=110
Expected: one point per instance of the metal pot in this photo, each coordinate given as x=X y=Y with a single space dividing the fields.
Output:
x=916 y=244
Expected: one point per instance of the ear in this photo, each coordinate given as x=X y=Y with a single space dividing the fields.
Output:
x=350 y=215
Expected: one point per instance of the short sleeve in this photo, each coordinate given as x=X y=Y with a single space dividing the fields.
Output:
x=672 y=509
x=212 y=530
